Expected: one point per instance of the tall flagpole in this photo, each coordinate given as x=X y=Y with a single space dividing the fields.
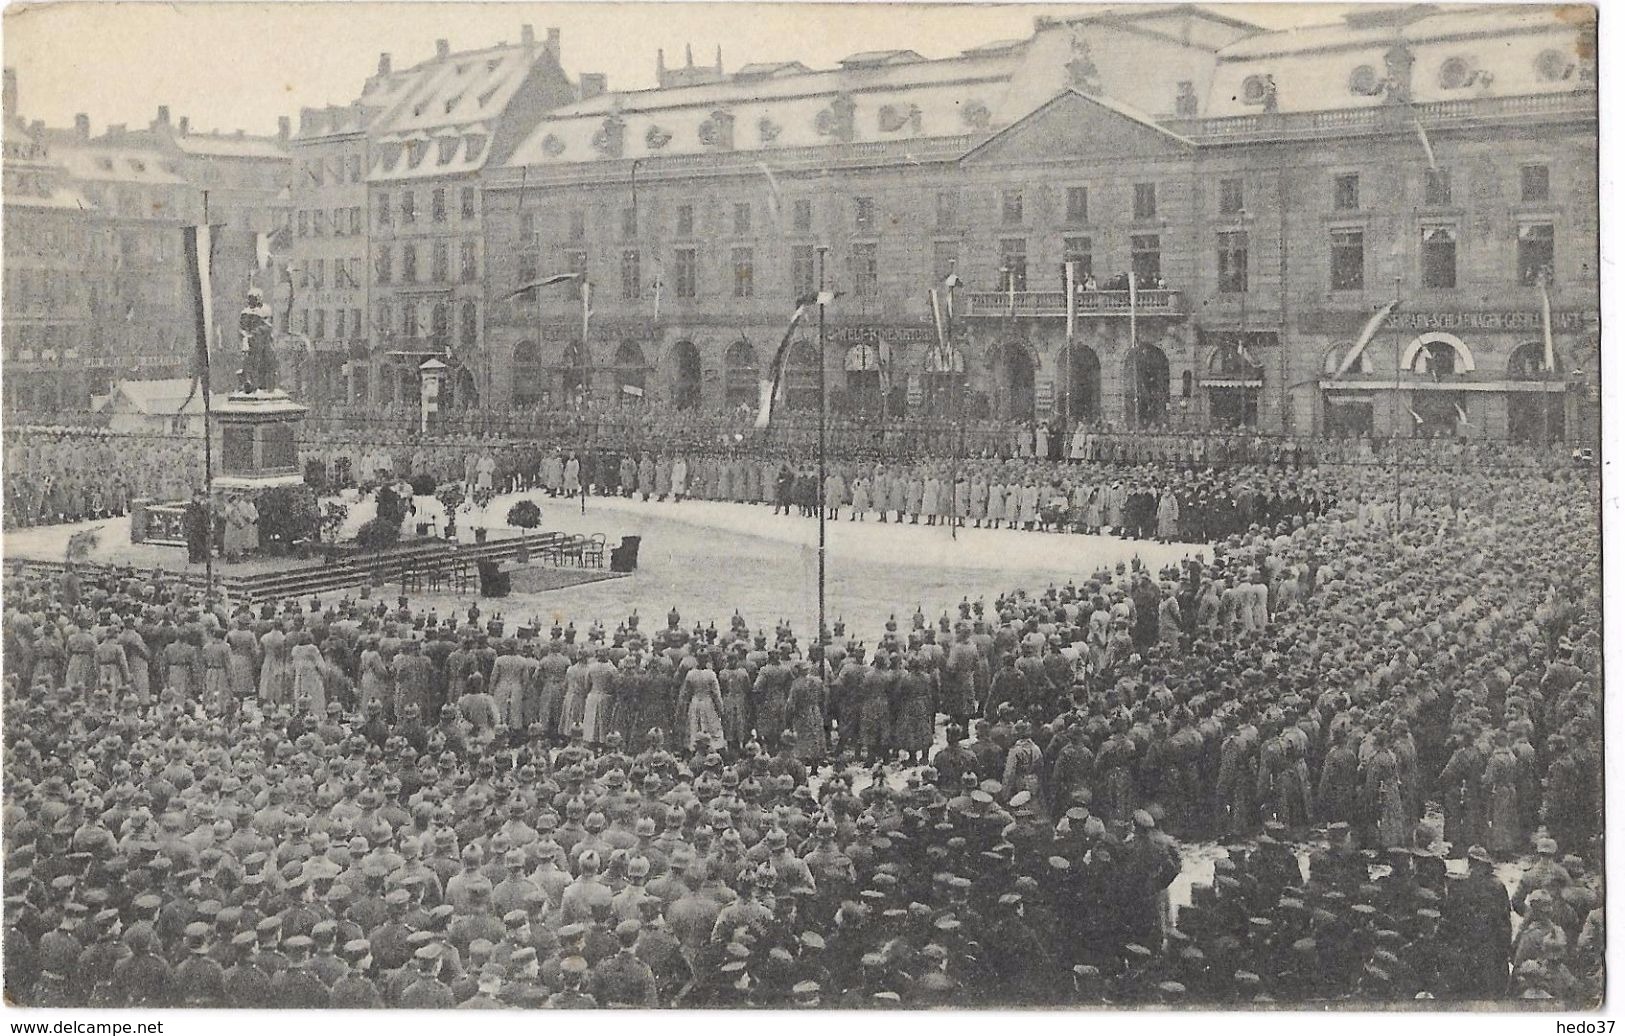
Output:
x=823 y=425
x=207 y=260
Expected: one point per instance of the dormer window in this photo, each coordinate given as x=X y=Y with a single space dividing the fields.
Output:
x=414 y=153
x=476 y=144
x=138 y=165
x=448 y=150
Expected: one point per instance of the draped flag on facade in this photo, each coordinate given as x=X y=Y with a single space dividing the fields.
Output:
x=1461 y=414
x=775 y=207
x=1546 y=326
x=1427 y=145
x=660 y=284
x=262 y=250
x=197 y=245
x=1368 y=332
x=770 y=383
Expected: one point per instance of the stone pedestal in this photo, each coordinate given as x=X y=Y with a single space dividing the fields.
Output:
x=256 y=441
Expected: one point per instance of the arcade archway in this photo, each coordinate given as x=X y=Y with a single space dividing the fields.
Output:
x=1147 y=396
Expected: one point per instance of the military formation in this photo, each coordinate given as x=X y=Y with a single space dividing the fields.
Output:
x=1384 y=720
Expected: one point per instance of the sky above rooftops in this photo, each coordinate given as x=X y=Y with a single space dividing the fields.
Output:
x=239 y=65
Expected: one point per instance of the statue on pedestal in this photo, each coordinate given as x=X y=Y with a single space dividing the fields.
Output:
x=254 y=329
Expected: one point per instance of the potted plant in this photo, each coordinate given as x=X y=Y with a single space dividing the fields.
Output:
x=451 y=498
x=524 y=515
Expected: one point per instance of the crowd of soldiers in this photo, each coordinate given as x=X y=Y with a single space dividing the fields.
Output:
x=54 y=476
x=358 y=805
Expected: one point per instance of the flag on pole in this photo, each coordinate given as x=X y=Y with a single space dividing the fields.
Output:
x=1416 y=416
x=1367 y=333
x=660 y=283
x=1546 y=325
x=883 y=363
x=1427 y=145
x=942 y=327
x=1010 y=289
x=198 y=247
x=1462 y=416
x=586 y=307
x=1071 y=299
x=949 y=283
x=1133 y=310
x=557 y=278
x=769 y=385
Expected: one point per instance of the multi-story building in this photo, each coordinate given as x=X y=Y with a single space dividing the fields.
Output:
x=448 y=119
x=96 y=266
x=1268 y=192
x=328 y=261
x=46 y=320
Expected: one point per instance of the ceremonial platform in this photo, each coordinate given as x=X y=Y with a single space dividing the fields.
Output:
x=429 y=565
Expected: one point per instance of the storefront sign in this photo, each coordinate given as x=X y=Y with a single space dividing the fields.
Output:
x=1450 y=320
x=872 y=334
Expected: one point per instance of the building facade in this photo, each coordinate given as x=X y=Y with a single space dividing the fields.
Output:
x=1265 y=192
x=327 y=268
x=95 y=267
x=448 y=119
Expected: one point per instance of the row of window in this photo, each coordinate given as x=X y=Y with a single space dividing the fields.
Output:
x=312 y=273
x=339 y=169
x=468 y=264
x=1535 y=257
x=417 y=319
x=406 y=206
x=314 y=222
x=1346 y=249
x=1534 y=184
x=346 y=324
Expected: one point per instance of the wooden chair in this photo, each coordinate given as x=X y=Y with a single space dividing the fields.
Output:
x=593 y=550
x=576 y=550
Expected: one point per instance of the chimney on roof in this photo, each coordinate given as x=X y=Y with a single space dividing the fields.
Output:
x=719 y=59
x=115 y=131
x=554 y=46
x=163 y=115
x=442 y=49
x=527 y=35
x=81 y=126
x=282 y=128
x=688 y=54
x=593 y=84
x=185 y=125
x=383 y=63
x=660 y=65
x=37 y=127
x=8 y=95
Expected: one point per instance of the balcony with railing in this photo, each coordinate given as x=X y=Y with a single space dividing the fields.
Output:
x=1090 y=304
